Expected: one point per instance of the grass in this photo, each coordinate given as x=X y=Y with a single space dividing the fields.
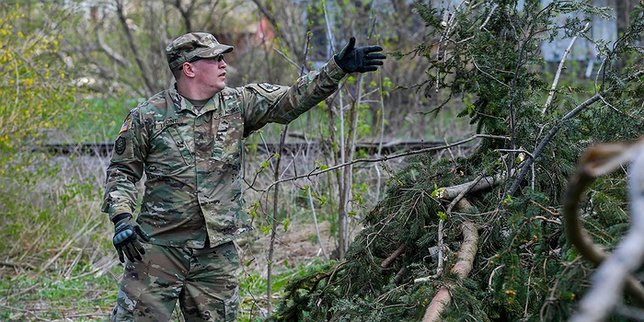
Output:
x=99 y=122
x=90 y=297
x=33 y=296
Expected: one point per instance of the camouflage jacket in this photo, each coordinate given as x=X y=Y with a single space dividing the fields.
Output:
x=192 y=159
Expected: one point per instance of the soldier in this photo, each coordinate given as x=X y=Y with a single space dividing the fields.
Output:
x=188 y=141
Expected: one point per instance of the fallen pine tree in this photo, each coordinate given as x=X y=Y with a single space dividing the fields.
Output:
x=481 y=238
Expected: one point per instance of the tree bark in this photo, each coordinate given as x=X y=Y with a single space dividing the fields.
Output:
x=130 y=40
x=385 y=263
x=462 y=268
x=473 y=186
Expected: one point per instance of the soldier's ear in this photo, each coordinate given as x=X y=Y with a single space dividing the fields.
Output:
x=188 y=70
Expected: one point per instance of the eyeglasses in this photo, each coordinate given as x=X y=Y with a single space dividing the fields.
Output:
x=217 y=58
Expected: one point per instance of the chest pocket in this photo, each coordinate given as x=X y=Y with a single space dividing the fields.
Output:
x=169 y=147
x=183 y=146
x=228 y=138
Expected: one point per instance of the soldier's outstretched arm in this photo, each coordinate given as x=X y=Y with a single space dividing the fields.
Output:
x=265 y=103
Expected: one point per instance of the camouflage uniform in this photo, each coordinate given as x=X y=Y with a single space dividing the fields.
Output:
x=192 y=205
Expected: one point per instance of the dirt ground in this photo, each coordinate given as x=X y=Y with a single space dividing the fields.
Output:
x=298 y=245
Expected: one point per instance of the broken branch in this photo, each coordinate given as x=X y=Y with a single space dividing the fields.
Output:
x=461 y=269
x=385 y=263
x=553 y=131
x=477 y=184
x=560 y=68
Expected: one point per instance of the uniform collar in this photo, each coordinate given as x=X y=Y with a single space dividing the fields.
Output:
x=182 y=104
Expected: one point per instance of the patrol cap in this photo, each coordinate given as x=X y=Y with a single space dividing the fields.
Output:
x=193 y=45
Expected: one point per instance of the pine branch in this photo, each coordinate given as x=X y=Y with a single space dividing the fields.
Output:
x=560 y=68
x=553 y=131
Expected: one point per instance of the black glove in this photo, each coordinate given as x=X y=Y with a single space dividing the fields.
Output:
x=360 y=59
x=126 y=237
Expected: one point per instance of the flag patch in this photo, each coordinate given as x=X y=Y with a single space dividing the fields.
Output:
x=125 y=126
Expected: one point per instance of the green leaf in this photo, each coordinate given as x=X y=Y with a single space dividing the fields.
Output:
x=321 y=166
x=387 y=83
x=351 y=80
x=437 y=192
x=253 y=209
x=358 y=198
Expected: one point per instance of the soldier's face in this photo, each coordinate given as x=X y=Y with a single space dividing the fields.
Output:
x=211 y=73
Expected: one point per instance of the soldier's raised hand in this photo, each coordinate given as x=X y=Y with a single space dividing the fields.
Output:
x=359 y=59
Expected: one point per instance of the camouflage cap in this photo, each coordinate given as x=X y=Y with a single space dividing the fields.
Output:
x=194 y=45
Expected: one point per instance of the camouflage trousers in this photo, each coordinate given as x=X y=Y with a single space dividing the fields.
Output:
x=204 y=282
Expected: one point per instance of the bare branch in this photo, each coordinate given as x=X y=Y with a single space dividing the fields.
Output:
x=386 y=158
x=271 y=18
x=391 y=258
x=290 y=61
x=480 y=183
x=315 y=221
x=185 y=13
x=130 y=39
x=109 y=51
x=560 y=68
x=494 y=6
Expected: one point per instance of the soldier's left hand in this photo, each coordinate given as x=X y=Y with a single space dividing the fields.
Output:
x=359 y=59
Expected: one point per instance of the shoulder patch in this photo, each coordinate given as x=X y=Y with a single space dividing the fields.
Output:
x=119 y=145
x=268 y=87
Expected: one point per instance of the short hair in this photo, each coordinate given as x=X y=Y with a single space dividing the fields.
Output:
x=177 y=72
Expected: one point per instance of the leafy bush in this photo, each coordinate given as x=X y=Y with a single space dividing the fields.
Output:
x=48 y=204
